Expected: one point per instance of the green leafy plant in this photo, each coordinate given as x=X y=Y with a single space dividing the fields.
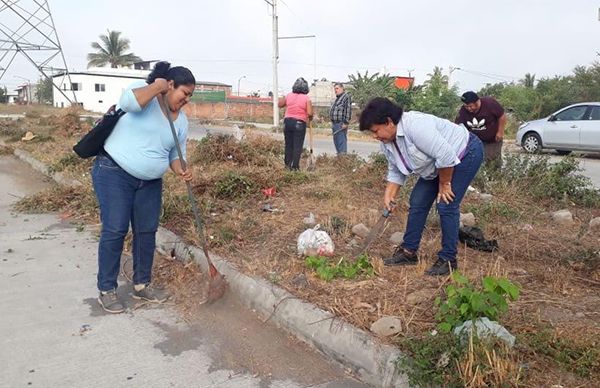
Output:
x=327 y=270
x=465 y=302
x=233 y=185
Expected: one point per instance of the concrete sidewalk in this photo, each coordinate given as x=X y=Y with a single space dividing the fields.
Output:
x=53 y=334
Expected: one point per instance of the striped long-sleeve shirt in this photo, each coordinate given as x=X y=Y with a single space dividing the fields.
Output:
x=341 y=110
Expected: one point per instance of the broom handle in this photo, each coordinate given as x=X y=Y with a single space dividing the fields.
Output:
x=310 y=136
x=197 y=218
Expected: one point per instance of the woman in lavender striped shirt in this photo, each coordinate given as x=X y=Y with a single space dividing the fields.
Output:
x=444 y=155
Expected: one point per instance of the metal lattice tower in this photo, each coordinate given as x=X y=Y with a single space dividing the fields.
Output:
x=27 y=28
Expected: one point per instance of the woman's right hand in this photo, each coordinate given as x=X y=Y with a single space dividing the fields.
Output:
x=391 y=189
x=161 y=85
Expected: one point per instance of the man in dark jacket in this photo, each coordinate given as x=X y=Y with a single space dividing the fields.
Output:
x=484 y=117
x=340 y=114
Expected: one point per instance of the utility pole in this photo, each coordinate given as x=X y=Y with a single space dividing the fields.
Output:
x=273 y=4
x=239 y=79
x=451 y=70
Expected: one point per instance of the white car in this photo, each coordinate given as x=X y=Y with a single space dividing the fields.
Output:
x=574 y=128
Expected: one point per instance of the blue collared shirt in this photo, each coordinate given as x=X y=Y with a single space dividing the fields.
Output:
x=426 y=143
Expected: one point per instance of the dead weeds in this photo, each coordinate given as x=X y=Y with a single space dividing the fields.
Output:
x=556 y=267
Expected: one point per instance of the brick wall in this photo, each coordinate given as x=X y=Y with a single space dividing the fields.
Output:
x=246 y=111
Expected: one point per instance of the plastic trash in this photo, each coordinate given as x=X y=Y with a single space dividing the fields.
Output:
x=313 y=242
x=484 y=329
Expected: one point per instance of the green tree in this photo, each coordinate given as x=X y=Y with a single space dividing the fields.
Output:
x=366 y=87
x=492 y=90
x=43 y=91
x=528 y=81
x=436 y=97
x=111 y=50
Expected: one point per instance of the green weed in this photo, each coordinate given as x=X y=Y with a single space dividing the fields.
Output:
x=327 y=270
x=464 y=302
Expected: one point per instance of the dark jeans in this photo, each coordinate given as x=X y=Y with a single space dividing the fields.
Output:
x=293 y=132
x=340 y=138
x=124 y=199
x=425 y=192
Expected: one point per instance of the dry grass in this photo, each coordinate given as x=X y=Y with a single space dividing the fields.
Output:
x=557 y=268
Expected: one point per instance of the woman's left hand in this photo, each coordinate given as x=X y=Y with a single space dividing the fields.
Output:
x=186 y=175
x=445 y=193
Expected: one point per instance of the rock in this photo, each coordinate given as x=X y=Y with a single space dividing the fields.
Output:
x=300 y=281
x=360 y=230
x=562 y=217
x=397 y=238
x=387 y=326
x=468 y=219
x=595 y=223
x=580 y=315
x=485 y=329
x=486 y=197
x=419 y=297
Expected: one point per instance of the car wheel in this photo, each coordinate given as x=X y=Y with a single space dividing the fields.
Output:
x=532 y=143
x=563 y=152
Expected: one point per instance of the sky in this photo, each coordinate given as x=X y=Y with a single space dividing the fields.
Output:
x=231 y=40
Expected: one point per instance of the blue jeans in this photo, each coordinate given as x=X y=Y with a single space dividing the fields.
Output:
x=124 y=199
x=425 y=192
x=340 y=139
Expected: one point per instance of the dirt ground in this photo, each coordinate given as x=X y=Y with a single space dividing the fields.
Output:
x=556 y=267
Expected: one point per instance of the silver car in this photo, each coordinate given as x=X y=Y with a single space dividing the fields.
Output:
x=574 y=128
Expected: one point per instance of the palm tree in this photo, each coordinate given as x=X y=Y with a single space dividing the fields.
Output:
x=111 y=50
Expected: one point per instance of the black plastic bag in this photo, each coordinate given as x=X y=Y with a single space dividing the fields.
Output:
x=93 y=141
x=473 y=237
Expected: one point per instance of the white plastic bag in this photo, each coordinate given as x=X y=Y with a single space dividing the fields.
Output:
x=313 y=242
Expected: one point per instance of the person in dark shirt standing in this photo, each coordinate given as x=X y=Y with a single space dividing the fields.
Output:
x=340 y=114
x=485 y=118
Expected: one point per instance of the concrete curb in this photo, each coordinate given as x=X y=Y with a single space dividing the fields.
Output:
x=374 y=363
x=356 y=349
x=41 y=167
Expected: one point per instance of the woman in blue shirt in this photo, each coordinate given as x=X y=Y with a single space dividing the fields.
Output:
x=127 y=177
x=444 y=155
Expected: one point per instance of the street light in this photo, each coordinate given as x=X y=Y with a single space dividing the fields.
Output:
x=28 y=88
x=239 y=79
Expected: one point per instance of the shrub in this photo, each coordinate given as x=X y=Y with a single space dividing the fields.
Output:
x=536 y=175
x=464 y=302
x=233 y=185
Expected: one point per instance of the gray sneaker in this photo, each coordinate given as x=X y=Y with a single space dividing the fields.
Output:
x=150 y=294
x=110 y=302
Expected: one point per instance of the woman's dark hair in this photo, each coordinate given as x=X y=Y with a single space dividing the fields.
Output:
x=179 y=74
x=300 y=86
x=377 y=111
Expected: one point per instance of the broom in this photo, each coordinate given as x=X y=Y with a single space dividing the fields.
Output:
x=217 y=284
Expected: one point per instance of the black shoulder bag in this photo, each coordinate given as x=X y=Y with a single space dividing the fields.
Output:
x=93 y=141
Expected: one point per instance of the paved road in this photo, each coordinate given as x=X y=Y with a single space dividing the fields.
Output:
x=53 y=333
x=323 y=144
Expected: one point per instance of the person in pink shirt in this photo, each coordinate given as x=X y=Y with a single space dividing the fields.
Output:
x=297 y=113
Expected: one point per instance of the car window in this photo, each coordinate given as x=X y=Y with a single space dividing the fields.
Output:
x=595 y=115
x=572 y=114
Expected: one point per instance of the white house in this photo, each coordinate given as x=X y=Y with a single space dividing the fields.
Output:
x=96 y=89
